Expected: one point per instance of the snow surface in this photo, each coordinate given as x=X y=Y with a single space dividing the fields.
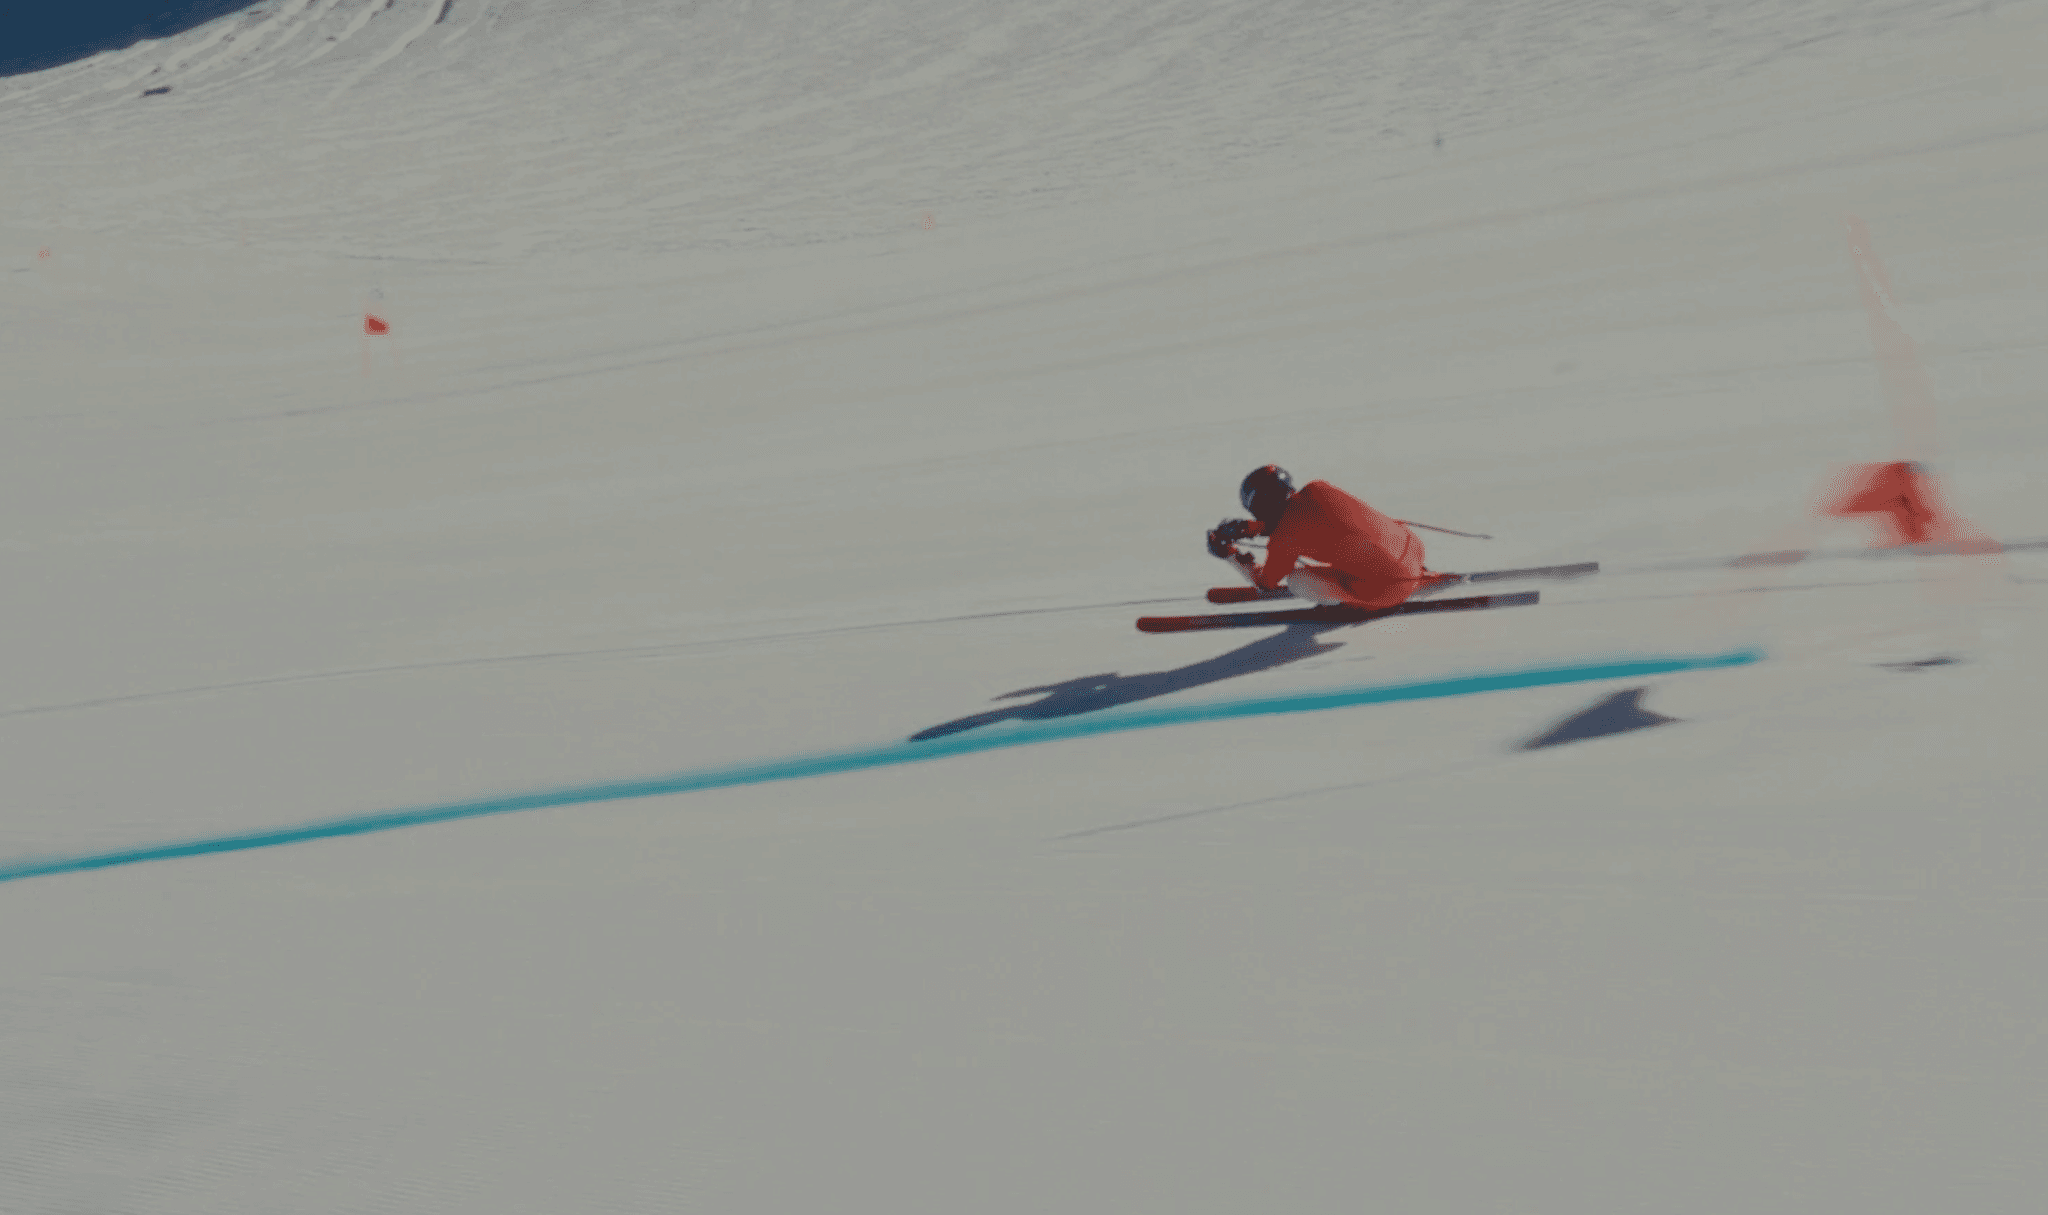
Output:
x=769 y=379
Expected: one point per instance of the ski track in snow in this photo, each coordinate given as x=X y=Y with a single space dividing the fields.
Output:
x=363 y=17
x=303 y=18
x=388 y=53
x=672 y=649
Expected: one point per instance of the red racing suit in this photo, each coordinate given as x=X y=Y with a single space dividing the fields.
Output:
x=1374 y=559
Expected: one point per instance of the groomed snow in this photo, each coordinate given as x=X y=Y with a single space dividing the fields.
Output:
x=776 y=379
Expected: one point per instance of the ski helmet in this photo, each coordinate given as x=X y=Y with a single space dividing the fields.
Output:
x=1265 y=492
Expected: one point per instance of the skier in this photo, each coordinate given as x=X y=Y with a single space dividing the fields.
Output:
x=1354 y=555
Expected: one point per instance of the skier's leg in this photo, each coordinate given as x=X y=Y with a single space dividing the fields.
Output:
x=1330 y=585
x=1318 y=586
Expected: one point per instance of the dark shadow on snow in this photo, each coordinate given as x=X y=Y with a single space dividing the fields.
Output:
x=1617 y=714
x=1921 y=664
x=1091 y=693
x=51 y=33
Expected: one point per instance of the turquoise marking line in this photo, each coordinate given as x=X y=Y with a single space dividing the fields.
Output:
x=993 y=738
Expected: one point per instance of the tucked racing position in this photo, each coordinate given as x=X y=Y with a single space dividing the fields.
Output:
x=1322 y=544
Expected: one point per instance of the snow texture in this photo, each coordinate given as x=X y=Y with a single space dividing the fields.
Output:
x=773 y=381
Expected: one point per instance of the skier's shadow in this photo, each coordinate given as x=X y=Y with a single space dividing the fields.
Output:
x=1092 y=692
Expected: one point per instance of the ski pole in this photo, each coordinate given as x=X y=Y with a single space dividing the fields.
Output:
x=1445 y=530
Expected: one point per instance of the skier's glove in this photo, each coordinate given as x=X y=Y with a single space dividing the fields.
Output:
x=1226 y=534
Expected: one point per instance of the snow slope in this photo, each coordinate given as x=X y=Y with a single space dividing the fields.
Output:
x=772 y=379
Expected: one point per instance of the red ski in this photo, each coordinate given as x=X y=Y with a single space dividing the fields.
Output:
x=1328 y=615
x=1248 y=594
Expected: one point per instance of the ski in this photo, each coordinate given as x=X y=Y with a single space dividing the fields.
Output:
x=1249 y=594
x=1245 y=594
x=1328 y=615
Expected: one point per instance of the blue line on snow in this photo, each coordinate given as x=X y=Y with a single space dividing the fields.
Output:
x=1108 y=722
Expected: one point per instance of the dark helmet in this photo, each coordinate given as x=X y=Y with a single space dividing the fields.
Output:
x=1265 y=493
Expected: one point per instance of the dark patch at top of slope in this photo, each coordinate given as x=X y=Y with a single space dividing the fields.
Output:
x=51 y=33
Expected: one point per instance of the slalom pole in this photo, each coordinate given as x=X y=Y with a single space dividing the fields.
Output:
x=1445 y=530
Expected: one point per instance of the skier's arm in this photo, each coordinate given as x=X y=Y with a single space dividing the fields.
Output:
x=1223 y=540
x=1281 y=555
